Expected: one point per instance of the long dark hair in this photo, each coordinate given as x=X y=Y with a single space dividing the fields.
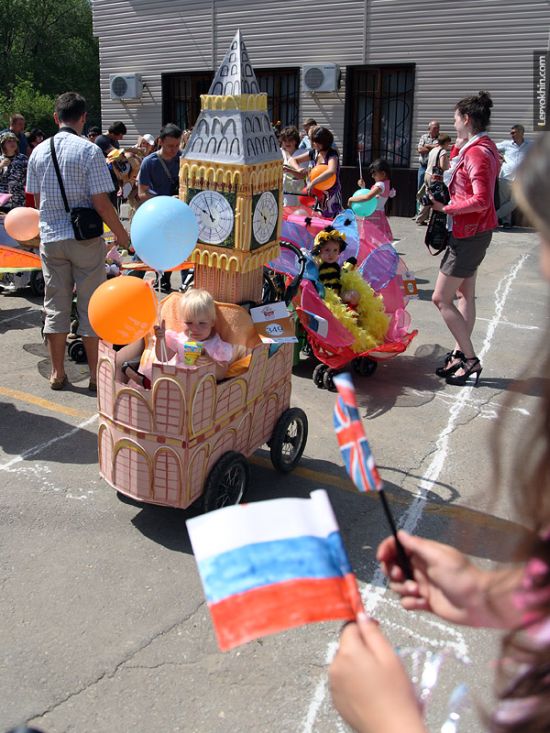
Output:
x=523 y=675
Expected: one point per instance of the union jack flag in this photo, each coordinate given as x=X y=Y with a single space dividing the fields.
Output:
x=352 y=440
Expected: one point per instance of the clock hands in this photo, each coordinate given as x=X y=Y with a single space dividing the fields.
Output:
x=209 y=212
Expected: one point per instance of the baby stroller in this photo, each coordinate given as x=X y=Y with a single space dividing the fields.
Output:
x=327 y=339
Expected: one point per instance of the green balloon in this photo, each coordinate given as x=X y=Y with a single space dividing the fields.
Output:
x=363 y=208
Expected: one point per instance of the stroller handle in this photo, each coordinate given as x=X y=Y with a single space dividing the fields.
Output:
x=292 y=288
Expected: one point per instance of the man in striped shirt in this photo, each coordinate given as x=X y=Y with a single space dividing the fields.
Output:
x=67 y=262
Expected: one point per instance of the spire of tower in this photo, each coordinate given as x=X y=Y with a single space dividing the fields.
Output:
x=235 y=75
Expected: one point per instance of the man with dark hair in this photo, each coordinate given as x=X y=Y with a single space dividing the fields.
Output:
x=512 y=153
x=159 y=174
x=66 y=261
x=17 y=126
x=93 y=133
x=111 y=140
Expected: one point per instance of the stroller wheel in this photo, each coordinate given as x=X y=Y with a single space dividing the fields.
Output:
x=318 y=374
x=328 y=380
x=288 y=440
x=77 y=352
x=364 y=367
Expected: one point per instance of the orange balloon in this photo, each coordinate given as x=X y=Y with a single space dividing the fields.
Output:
x=22 y=223
x=123 y=310
x=316 y=172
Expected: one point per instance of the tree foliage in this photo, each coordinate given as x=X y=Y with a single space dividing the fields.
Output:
x=46 y=48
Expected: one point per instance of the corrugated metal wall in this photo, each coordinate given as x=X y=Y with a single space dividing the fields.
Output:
x=458 y=48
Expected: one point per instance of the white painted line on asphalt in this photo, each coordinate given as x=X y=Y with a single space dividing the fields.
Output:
x=409 y=520
x=519 y=326
x=14 y=318
x=35 y=450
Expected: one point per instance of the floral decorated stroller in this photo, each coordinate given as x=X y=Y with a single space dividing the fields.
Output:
x=329 y=337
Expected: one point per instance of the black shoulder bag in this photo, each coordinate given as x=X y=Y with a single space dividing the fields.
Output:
x=87 y=223
x=437 y=234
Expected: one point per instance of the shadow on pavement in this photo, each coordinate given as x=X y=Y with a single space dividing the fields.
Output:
x=22 y=431
x=17 y=318
x=360 y=516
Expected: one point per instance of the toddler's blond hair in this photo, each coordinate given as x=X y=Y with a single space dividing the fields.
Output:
x=197 y=302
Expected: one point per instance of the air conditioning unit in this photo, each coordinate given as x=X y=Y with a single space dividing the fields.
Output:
x=321 y=78
x=125 y=86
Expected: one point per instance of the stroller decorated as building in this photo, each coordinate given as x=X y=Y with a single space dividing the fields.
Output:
x=185 y=437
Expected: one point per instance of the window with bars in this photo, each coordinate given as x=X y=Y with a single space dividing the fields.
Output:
x=181 y=102
x=379 y=107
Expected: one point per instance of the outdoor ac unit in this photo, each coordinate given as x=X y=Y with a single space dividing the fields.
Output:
x=125 y=86
x=321 y=78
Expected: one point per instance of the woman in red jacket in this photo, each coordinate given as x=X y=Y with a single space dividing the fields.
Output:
x=473 y=218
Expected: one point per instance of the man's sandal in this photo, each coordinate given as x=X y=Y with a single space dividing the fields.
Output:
x=57 y=383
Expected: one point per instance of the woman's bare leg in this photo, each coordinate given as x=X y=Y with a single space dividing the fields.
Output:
x=466 y=304
x=446 y=288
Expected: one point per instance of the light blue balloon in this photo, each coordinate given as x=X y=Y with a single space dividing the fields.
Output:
x=362 y=208
x=164 y=232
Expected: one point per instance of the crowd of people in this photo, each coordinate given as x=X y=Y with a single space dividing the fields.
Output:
x=369 y=684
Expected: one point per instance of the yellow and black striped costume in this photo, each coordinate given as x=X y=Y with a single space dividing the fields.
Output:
x=329 y=275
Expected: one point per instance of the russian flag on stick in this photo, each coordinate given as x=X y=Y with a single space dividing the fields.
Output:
x=357 y=455
x=273 y=565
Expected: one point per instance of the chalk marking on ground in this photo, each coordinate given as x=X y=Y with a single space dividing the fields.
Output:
x=35 y=450
x=19 y=315
x=519 y=326
x=410 y=519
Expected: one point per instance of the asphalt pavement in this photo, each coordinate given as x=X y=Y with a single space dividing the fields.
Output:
x=104 y=623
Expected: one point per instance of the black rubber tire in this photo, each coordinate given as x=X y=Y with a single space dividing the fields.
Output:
x=318 y=374
x=227 y=482
x=77 y=352
x=288 y=440
x=328 y=380
x=37 y=283
x=364 y=367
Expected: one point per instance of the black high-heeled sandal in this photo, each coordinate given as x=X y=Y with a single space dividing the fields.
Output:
x=446 y=371
x=473 y=368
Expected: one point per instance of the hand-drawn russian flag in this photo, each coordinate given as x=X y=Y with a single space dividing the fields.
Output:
x=353 y=442
x=273 y=565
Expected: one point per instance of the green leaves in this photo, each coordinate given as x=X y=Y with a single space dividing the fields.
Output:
x=46 y=48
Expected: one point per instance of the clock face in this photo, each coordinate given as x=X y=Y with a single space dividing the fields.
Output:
x=265 y=217
x=214 y=216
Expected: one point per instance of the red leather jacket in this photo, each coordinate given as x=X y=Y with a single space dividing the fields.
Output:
x=472 y=189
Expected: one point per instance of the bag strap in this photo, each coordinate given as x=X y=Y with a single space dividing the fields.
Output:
x=163 y=164
x=58 y=174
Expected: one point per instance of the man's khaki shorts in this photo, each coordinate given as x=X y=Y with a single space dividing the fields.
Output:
x=67 y=264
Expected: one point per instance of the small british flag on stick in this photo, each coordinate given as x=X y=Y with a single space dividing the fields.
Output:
x=352 y=440
x=357 y=455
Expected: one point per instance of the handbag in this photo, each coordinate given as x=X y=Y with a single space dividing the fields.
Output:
x=437 y=235
x=87 y=223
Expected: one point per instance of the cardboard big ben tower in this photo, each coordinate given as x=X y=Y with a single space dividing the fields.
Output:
x=231 y=176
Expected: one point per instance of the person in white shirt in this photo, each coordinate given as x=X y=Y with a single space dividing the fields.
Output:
x=513 y=152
